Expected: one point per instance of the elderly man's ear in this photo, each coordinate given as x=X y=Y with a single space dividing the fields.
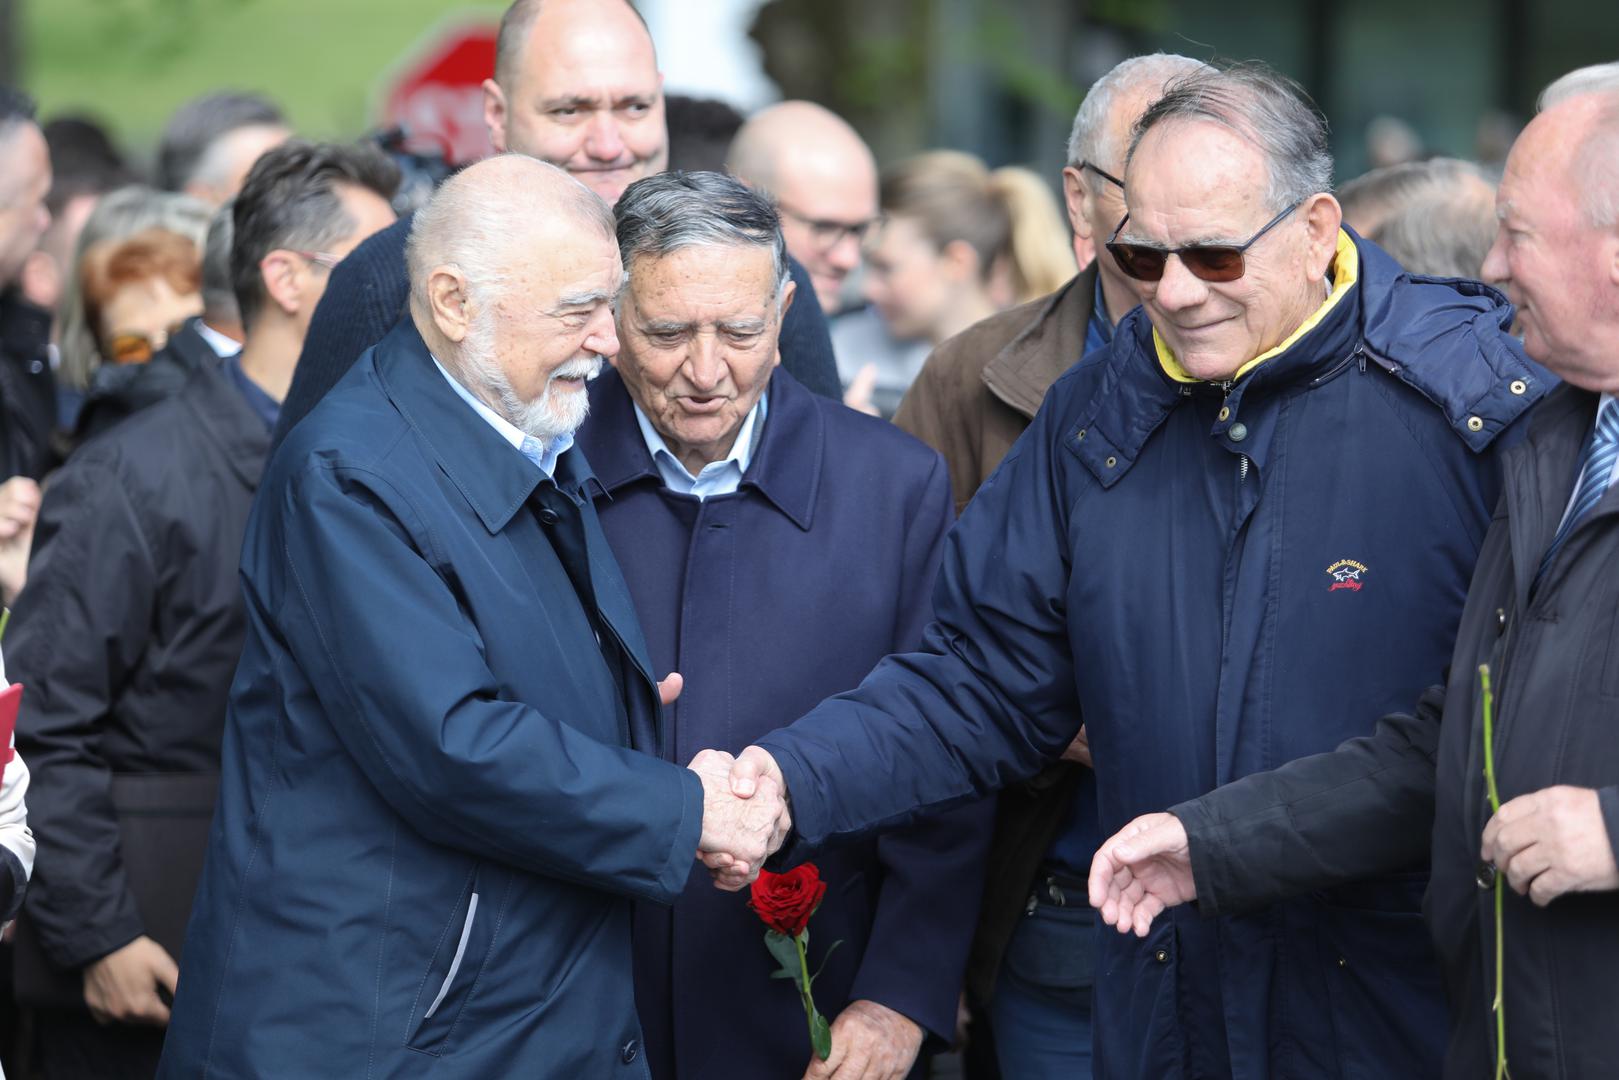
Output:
x=447 y=299
x=1323 y=217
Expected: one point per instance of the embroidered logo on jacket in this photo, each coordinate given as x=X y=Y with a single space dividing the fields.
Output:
x=1346 y=574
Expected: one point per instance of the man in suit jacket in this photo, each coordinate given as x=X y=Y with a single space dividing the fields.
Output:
x=439 y=794
x=776 y=545
x=576 y=83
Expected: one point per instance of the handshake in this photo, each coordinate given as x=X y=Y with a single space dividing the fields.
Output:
x=745 y=817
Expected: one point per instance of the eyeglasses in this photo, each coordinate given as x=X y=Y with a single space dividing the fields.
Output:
x=321 y=259
x=826 y=234
x=1109 y=177
x=1210 y=262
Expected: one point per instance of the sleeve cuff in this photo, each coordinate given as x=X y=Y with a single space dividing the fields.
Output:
x=688 y=834
x=1608 y=801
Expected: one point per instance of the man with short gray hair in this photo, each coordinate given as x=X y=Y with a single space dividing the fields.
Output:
x=1232 y=538
x=211 y=142
x=732 y=496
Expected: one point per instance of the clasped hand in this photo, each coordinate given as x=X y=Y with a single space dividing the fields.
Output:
x=743 y=823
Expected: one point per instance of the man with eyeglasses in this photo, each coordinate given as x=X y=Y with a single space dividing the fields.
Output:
x=1230 y=539
x=1032 y=962
x=129 y=631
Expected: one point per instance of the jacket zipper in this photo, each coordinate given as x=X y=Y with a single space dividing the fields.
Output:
x=1242 y=459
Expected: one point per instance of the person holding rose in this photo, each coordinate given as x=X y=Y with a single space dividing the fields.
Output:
x=738 y=504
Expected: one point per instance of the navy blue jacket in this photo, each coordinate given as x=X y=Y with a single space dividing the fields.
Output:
x=1220 y=580
x=431 y=825
x=767 y=601
x=367 y=295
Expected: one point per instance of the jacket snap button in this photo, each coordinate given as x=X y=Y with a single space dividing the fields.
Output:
x=1485 y=876
x=630 y=1052
x=1342 y=962
x=1238 y=432
x=1162 y=956
x=1474 y=424
x=549 y=517
x=1081 y=436
x=1500 y=621
x=1225 y=413
x=1112 y=461
x=1518 y=386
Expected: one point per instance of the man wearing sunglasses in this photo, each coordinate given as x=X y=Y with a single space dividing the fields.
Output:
x=1231 y=538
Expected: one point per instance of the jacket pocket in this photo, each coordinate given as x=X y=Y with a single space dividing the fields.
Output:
x=452 y=974
x=1388 y=1005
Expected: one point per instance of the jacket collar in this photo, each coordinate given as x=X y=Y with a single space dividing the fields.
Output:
x=1022 y=372
x=494 y=478
x=226 y=420
x=786 y=465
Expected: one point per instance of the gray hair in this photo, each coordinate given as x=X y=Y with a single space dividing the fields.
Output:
x=118 y=215
x=218 y=297
x=197 y=128
x=1594 y=159
x=1266 y=108
x=474 y=222
x=1372 y=198
x=670 y=211
x=1441 y=234
x=1091 y=137
x=1595 y=79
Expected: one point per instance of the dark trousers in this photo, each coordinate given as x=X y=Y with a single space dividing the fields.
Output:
x=72 y=1046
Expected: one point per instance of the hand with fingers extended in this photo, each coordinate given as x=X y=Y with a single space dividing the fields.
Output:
x=1140 y=871
x=1550 y=842
x=739 y=832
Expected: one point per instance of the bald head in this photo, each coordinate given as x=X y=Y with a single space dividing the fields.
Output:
x=1556 y=252
x=577 y=84
x=824 y=178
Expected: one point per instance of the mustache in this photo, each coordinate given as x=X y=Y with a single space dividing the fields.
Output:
x=583 y=367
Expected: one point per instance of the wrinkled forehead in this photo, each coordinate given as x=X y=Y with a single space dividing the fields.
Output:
x=706 y=274
x=1193 y=180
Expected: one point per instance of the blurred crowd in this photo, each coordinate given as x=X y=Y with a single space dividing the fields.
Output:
x=162 y=331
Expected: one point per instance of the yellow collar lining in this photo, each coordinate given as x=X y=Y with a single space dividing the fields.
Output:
x=1346 y=270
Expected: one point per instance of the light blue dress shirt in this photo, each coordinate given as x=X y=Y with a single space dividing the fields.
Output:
x=717 y=477
x=542 y=454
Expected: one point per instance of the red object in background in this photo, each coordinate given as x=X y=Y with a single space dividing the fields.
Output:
x=10 y=701
x=437 y=96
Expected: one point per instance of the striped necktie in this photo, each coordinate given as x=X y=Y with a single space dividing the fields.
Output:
x=1596 y=469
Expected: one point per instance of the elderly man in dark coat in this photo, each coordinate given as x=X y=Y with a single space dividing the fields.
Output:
x=776 y=545
x=439 y=797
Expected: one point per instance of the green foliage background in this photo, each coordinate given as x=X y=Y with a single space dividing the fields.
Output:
x=130 y=62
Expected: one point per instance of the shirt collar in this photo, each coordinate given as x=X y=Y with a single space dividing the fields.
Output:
x=508 y=430
x=717 y=477
x=223 y=346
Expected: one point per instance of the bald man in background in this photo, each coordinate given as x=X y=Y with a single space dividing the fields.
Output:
x=824 y=180
x=576 y=84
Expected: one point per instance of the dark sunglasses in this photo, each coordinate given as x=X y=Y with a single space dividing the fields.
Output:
x=1109 y=177
x=1210 y=262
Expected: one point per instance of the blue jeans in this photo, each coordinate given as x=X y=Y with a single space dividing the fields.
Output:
x=1041 y=1013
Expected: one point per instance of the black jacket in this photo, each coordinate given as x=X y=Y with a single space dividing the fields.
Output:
x=127 y=635
x=118 y=391
x=27 y=388
x=366 y=297
x=1367 y=807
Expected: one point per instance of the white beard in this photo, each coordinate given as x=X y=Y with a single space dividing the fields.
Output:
x=548 y=417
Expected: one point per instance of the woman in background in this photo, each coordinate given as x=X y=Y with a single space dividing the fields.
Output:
x=957 y=243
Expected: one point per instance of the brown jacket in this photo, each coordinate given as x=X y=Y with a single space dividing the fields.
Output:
x=974 y=397
x=980 y=389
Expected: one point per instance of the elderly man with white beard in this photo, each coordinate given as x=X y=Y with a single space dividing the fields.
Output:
x=440 y=794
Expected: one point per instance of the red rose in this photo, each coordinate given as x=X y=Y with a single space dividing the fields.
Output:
x=786 y=901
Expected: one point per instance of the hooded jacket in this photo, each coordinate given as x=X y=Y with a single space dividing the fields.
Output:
x=1221 y=578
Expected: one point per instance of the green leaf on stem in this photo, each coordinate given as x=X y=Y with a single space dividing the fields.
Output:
x=821 y=1036
x=784 y=974
x=824 y=959
x=784 y=950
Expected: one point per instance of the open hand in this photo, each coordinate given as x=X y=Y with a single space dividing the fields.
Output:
x=1141 y=870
